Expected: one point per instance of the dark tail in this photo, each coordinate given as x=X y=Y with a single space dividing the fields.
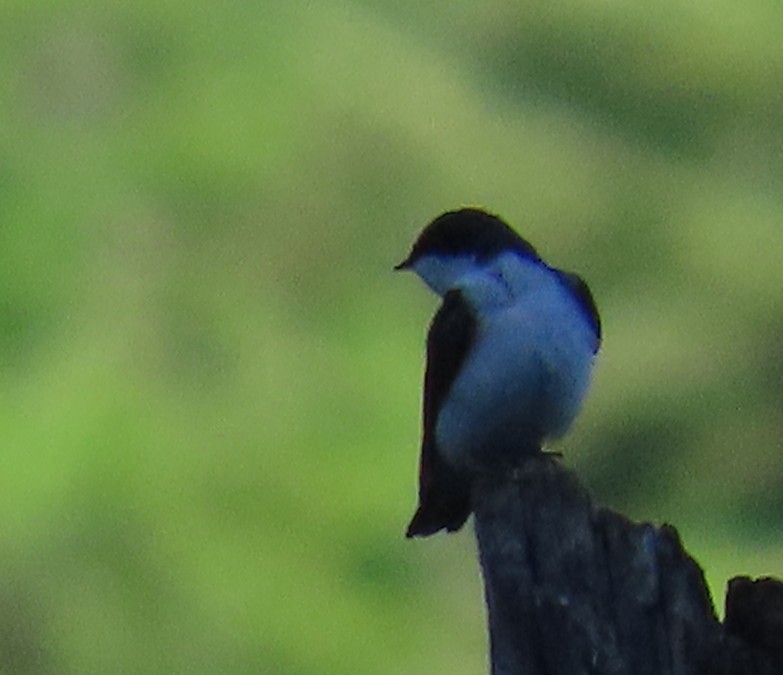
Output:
x=444 y=501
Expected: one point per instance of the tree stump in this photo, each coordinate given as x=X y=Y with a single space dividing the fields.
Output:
x=573 y=589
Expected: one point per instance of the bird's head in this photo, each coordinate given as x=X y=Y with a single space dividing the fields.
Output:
x=459 y=242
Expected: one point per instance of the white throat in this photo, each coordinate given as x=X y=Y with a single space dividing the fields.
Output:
x=495 y=283
x=441 y=273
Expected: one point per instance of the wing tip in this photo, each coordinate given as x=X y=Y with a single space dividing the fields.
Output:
x=426 y=522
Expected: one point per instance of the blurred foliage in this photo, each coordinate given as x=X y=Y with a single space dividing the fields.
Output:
x=209 y=377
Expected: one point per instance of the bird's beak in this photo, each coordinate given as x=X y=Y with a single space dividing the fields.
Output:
x=404 y=265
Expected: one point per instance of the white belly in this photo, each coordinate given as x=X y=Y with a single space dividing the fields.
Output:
x=523 y=381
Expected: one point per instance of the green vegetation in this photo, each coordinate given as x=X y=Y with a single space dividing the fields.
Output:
x=209 y=375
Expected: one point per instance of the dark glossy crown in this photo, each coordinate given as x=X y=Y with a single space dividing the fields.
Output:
x=468 y=232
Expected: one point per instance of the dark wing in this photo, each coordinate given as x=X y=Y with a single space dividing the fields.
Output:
x=444 y=493
x=581 y=291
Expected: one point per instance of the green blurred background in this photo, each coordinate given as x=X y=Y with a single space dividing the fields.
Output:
x=210 y=377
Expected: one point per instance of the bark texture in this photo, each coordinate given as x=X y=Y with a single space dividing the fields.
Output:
x=572 y=588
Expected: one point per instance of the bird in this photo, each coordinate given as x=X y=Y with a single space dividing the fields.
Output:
x=509 y=355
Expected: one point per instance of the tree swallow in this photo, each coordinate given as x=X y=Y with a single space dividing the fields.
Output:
x=509 y=355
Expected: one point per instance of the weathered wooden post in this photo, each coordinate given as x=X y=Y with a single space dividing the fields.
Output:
x=573 y=589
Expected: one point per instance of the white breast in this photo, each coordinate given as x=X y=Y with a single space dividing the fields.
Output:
x=528 y=371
